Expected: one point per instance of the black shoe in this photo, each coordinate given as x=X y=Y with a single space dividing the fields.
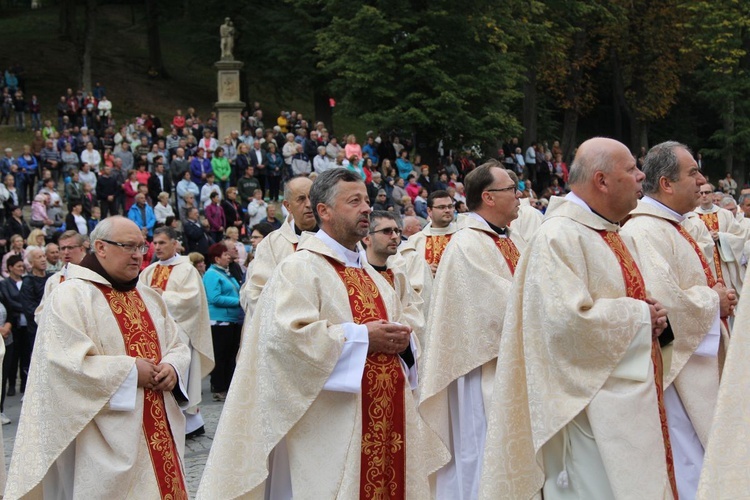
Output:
x=11 y=391
x=197 y=432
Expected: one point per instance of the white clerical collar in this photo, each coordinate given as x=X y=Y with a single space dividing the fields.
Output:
x=578 y=201
x=656 y=203
x=350 y=258
x=170 y=260
x=484 y=223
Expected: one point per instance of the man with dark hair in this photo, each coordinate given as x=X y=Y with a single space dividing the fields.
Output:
x=106 y=191
x=72 y=252
x=180 y=285
x=196 y=237
x=679 y=274
x=463 y=333
x=334 y=326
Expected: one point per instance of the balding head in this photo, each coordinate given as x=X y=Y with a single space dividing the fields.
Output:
x=297 y=201
x=411 y=226
x=604 y=175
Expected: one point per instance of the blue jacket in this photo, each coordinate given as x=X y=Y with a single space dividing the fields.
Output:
x=134 y=214
x=223 y=295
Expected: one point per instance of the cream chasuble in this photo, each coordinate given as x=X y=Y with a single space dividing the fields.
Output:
x=274 y=248
x=70 y=431
x=727 y=459
x=528 y=221
x=186 y=301
x=677 y=277
x=458 y=365
x=574 y=366
x=50 y=284
x=730 y=246
x=278 y=395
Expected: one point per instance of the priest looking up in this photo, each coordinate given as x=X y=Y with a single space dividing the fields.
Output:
x=283 y=242
x=679 y=273
x=180 y=285
x=101 y=411
x=327 y=360
x=463 y=333
x=577 y=404
x=729 y=238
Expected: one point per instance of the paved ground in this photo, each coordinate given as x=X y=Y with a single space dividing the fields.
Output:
x=196 y=449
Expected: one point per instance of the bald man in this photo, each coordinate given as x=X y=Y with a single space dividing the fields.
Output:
x=577 y=407
x=281 y=243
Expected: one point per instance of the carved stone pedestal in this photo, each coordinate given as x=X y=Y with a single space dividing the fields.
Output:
x=228 y=107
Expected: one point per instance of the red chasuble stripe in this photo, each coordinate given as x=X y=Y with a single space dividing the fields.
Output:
x=161 y=276
x=383 y=460
x=635 y=288
x=141 y=341
x=435 y=246
x=388 y=275
x=509 y=251
x=712 y=223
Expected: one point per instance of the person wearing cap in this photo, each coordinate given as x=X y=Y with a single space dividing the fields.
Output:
x=382 y=202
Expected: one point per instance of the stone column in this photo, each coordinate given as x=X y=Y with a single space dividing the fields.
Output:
x=228 y=107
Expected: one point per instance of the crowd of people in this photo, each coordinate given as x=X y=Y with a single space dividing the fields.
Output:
x=229 y=255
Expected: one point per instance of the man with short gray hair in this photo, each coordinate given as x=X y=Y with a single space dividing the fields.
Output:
x=679 y=272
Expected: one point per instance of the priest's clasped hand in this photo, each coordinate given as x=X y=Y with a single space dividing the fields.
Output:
x=161 y=377
x=389 y=338
x=658 y=316
x=727 y=299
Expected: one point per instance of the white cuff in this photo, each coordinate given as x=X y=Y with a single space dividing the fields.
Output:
x=347 y=374
x=124 y=398
x=709 y=346
x=636 y=363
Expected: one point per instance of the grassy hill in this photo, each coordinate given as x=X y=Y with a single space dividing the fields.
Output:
x=120 y=63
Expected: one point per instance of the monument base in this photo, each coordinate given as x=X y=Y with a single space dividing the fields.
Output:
x=229 y=107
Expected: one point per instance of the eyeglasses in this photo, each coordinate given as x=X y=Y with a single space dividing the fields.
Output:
x=129 y=248
x=69 y=247
x=442 y=207
x=513 y=188
x=704 y=192
x=388 y=231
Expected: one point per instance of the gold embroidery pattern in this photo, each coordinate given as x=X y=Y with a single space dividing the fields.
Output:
x=388 y=275
x=435 y=246
x=710 y=280
x=712 y=223
x=161 y=276
x=383 y=452
x=509 y=250
x=140 y=337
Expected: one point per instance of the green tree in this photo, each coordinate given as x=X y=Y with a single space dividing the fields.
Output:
x=437 y=70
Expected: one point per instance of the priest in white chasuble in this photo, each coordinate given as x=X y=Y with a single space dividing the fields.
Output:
x=101 y=416
x=321 y=402
x=180 y=285
x=72 y=251
x=428 y=245
x=464 y=325
x=380 y=244
x=577 y=410
x=678 y=272
x=729 y=237
x=281 y=243
x=727 y=457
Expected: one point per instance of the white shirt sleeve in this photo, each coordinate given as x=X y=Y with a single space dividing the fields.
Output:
x=124 y=398
x=347 y=374
x=636 y=363
x=709 y=346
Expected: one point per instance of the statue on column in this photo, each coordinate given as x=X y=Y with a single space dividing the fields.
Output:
x=227 y=39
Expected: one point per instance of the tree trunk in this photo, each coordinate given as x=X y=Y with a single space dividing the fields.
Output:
x=323 y=110
x=89 y=35
x=156 y=63
x=425 y=147
x=67 y=19
x=530 y=117
x=728 y=119
x=570 y=129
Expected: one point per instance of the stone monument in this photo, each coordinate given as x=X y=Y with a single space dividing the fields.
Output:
x=228 y=107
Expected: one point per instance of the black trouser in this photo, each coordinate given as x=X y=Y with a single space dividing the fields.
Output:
x=23 y=338
x=274 y=181
x=8 y=366
x=262 y=182
x=226 y=341
x=108 y=207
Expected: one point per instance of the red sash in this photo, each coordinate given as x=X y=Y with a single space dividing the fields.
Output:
x=389 y=277
x=161 y=276
x=636 y=288
x=383 y=460
x=435 y=246
x=509 y=251
x=141 y=341
x=712 y=223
